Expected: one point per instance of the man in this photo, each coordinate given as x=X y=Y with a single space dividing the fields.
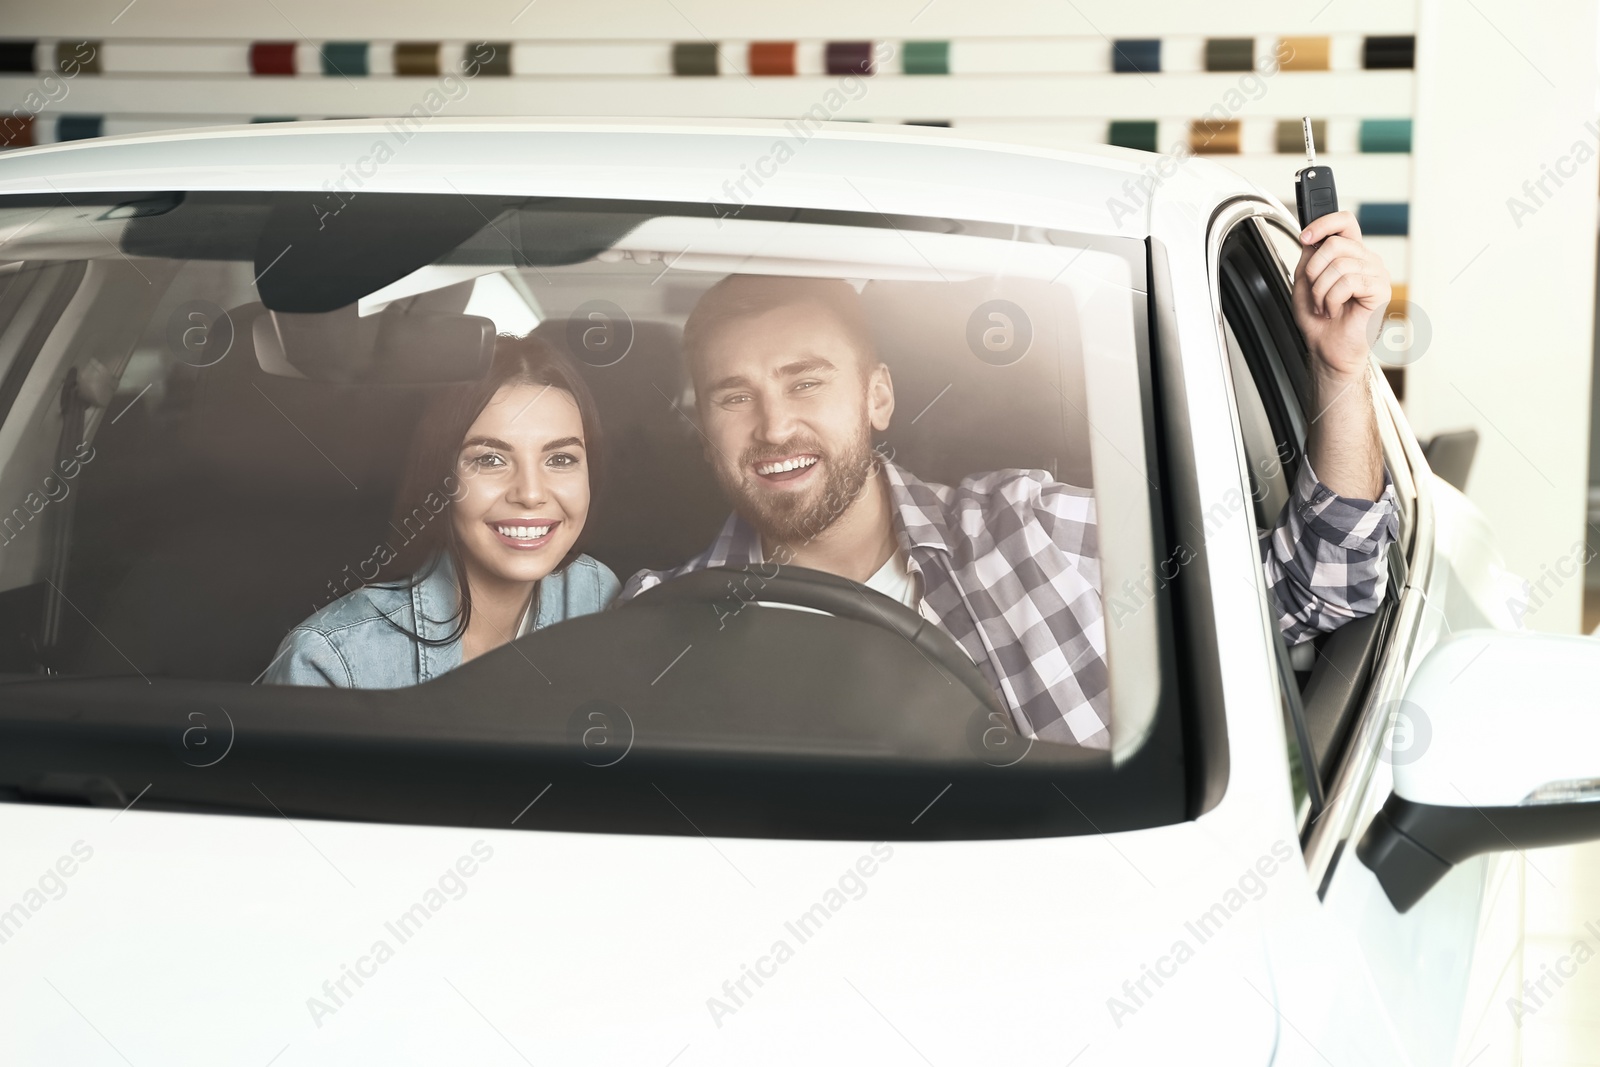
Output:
x=789 y=392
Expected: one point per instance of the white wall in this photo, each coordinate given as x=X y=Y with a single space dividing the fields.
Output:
x=1513 y=329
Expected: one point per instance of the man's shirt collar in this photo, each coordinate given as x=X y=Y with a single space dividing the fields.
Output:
x=917 y=509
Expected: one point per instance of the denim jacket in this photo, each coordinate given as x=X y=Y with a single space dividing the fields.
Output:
x=350 y=642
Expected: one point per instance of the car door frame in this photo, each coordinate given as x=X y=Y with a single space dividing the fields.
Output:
x=1358 y=784
x=1479 y=917
x=1372 y=938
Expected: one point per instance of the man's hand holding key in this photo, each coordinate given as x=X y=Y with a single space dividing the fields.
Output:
x=1339 y=285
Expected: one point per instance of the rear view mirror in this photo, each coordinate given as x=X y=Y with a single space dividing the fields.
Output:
x=393 y=347
x=1504 y=754
x=378 y=351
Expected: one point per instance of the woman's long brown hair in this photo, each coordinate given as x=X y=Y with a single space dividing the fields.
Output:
x=425 y=504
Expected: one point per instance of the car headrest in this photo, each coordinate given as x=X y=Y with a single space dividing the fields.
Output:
x=638 y=373
x=960 y=409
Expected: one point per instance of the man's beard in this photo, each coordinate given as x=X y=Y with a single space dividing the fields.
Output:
x=794 y=519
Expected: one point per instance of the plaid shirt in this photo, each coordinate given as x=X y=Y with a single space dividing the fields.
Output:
x=1008 y=565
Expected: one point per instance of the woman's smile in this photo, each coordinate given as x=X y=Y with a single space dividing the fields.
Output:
x=523 y=534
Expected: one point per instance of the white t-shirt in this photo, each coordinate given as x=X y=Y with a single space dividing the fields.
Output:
x=895 y=581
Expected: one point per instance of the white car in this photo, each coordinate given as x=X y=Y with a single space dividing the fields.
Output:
x=696 y=829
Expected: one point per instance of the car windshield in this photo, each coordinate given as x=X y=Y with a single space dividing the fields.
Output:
x=214 y=405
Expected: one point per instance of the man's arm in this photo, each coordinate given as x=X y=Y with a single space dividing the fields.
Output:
x=1326 y=559
x=1340 y=291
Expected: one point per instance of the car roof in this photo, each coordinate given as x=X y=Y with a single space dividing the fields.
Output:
x=856 y=166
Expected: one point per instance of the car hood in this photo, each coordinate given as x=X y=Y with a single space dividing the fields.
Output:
x=182 y=938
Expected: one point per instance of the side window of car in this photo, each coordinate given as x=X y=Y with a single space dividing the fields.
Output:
x=1284 y=246
x=1273 y=446
x=1325 y=680
x=1266 y=355
x=1272 y=453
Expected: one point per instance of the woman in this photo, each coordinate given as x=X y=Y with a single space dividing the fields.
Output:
x=492 y=506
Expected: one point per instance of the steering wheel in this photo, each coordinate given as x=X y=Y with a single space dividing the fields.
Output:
x=807 y=588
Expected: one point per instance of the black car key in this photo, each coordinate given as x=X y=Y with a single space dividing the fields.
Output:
x=1314 y=195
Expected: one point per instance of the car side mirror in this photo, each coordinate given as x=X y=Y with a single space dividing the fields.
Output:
x=1503 y=753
